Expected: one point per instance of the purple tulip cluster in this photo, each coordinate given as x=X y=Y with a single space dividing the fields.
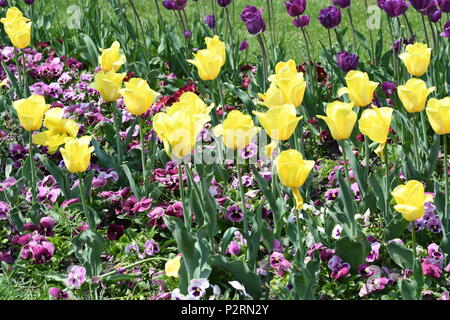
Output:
x=253 y=19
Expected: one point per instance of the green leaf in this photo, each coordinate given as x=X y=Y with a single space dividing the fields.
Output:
x=353 y=251
x=89 y=245
x=131 y=181
x=401 y=255
x=305 y=280
x=408 y=289
x=240 y=272
x=105 y=159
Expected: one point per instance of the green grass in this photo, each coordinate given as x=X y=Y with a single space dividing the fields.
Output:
x=286 y=32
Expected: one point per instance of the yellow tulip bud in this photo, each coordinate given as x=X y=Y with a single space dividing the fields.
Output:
x=414 y=95
x=410 y=198
x=59 y=130
x=416 y=58
x=375 y=123
x=77 y=154
x=293 y=171
x=111 y=59
x=208 y=64
x=189 y=102
x=237 y=130
x=284 y=71
x=340 y=119
x=279 y=122
x=108 y=84
x=13 y=15
x=31 y=111
x=173 y=266
x=438 y=112
x=179 y=131
x=218 y=47
x=138 y=96
x=359 y=88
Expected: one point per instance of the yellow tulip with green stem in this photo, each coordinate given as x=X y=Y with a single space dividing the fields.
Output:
x=438 y=113
x=30 y=112
x=237 y=131
x=76 y=155
x=340 y=119
x=138 y=98
x=375 y=123
x=413 y=96
x=360 y=90
x=410 y=202
x=108 y=84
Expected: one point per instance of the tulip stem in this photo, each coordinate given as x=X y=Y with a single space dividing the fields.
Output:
x=264 y=58
x=413 y=234
x=349 y=12
x=117 y=125
x=372 y=50
x=180 y=182
x=425 y=30
x=386 y=168
x=411 y=33
x=244 y=209
x=89 y=218
x=344 y=159
x=310 y=62
x=424 y=128
x=24 y=73
x=446 y=182
x=416 y=145
x=158 y=10
x=229 y=24
x=366 y=156
x=143 y=159
x=33 y=178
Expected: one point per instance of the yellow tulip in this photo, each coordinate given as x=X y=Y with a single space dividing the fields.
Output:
x=273 y=96
x=293 y=171
x=340 y=119
x=111 y=59
x=218 y=47
x=189 y=102
x=416 y=58
x=13 y=15
x=172 y=267
x=279 y=122
x=287 y=84
x=20 y=34
x=208 y=64
x=414 y=95
x=179 y=131
x=237 y=130
x=438 y=112
x=59 y=130
x=108 y=84
x=375 y=123
x=138 y=96
x=359 y=88
x=410 y=198
x=31 y=111
x=77 y=154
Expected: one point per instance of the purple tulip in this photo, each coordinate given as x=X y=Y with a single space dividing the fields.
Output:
x=342 y=3
x=29 y=1
x=210 y=20
x=243 y=46
x=253 y=19
x=395 y=8
x=187 y=34
x=174 y=4
x=421 y=5
x=302 y=21
x=330 y=17
x=223 y=3
x=431 y=8
x=3 y=3
x=295 y=7
x=446 y=32
x=444 y=5
x=347 y=61
x=435 y=16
